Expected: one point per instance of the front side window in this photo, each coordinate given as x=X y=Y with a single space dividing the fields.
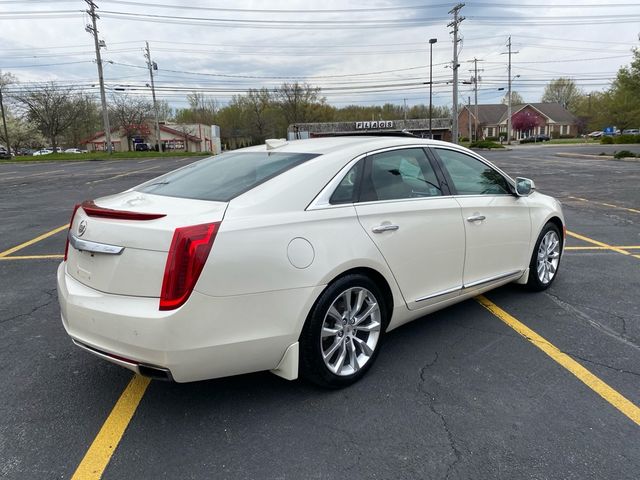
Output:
x=399 y=174
x=470 y=176
x=225 y=176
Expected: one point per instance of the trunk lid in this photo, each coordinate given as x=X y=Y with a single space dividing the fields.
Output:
x=139 y=268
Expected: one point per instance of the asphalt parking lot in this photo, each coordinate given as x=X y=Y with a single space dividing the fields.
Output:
x=459 y=394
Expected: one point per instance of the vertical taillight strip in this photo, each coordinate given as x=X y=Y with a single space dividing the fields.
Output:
x=187 y=255
x=73 y=215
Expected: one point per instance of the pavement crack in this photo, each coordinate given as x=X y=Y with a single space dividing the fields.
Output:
x=431 y=399
x=600 y=364
x=579 y=314
x=50 y=299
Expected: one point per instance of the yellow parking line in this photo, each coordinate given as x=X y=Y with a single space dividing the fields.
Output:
x=599 y=244
x=612 y=396
x=625 y=247
x=31 y=257
x=633 y=210
x=99 y=454
x=32 y=241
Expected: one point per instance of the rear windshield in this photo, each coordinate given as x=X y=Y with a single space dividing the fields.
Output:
x=224 y=177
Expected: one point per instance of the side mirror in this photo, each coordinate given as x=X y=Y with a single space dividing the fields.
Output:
x=524 y=186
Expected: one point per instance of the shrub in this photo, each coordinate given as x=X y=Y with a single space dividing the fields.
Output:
x=627 y=139
x=567 y=136
x=485 y=144
x=464 y=139
x=624 y=154
x=606 y=140
x=555 y=134
x=491 y=139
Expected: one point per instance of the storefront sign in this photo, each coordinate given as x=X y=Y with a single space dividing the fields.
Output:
x=374 y=124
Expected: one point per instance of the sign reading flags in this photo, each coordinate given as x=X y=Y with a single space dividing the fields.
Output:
x=374 y=124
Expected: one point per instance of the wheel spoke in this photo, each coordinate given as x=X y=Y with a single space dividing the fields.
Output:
x=329 y=332
x=370 y=309
x=334 y=313
x=340 y=362
x=372 y=326
x=327 y=355
x=363 y=346
x=346 y=296
x=353 y=357
x=359 y=301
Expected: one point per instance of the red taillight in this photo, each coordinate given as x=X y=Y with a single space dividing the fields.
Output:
x=93 y=210
x=66 y=247
x=188 y=253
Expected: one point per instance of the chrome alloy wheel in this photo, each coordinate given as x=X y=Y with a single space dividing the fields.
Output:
x=548 y=257
x=350 y=331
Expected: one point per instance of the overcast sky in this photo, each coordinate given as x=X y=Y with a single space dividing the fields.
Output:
x=358 y=52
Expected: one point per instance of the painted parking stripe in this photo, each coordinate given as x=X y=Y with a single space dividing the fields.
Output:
x=599 y=244
x=622 y=247
x=612 y=396
x=123 y=174
x=33 y=257
x=632 y=210
x=99 y=454
x=33 y=240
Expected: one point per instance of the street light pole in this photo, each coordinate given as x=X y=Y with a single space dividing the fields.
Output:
x=431 y=42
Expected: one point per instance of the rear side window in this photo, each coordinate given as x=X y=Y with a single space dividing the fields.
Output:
x=224 y=177
x=470 y=176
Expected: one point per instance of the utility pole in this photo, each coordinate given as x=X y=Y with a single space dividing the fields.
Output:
x=456 y=21
x=509 y=93
x=431 y=42
x=405 y=108
x=93 y=29
x=475 y=90
x=4 y=120
x=153 y=66
x=469 y=116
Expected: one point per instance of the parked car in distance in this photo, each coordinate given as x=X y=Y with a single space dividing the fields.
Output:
x=297 y=257
x=142 y=147
x=44 y=151
x=631 y=131
x=596 y=134
x=4 y=154
x=536 y=138
x=73 y=150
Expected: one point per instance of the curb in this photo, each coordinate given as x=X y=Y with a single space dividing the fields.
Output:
x=596 y=157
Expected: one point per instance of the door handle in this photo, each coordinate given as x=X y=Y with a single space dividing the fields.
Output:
x=476 y=218
x=386 y=227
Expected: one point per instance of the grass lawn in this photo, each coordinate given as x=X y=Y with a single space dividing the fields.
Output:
x=54 y=157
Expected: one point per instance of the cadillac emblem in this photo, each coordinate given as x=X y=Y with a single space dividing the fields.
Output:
x=82 y=228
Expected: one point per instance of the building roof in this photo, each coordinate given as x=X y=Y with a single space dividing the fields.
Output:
x=494 y=114
x=173 y=131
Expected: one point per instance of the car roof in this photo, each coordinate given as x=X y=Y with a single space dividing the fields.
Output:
x=326 y=145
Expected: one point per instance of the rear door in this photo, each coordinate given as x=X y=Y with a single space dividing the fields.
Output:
x=415 y=224
x=497 y=224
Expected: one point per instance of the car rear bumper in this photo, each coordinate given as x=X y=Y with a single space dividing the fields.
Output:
x=207 y=337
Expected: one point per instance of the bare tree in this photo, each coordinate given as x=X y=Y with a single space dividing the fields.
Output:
x=129 y=113
x=563 y=91
x=516 y=99
x=297 y=101
x=53 y=109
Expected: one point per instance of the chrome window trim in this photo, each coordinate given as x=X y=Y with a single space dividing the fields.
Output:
x=321 y=201
x=94 y=247
x=473 y=154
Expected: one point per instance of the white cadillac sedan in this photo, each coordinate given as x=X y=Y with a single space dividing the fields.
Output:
x=297 y=257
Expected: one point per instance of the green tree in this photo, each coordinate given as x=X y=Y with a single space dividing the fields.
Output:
x=563 y=91
x=300 y=103
x=624 y=95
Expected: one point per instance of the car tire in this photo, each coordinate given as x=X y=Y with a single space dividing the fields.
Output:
x=545 y=259
x=343 y=333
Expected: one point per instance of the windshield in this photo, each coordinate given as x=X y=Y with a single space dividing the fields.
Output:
x=224 y=177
